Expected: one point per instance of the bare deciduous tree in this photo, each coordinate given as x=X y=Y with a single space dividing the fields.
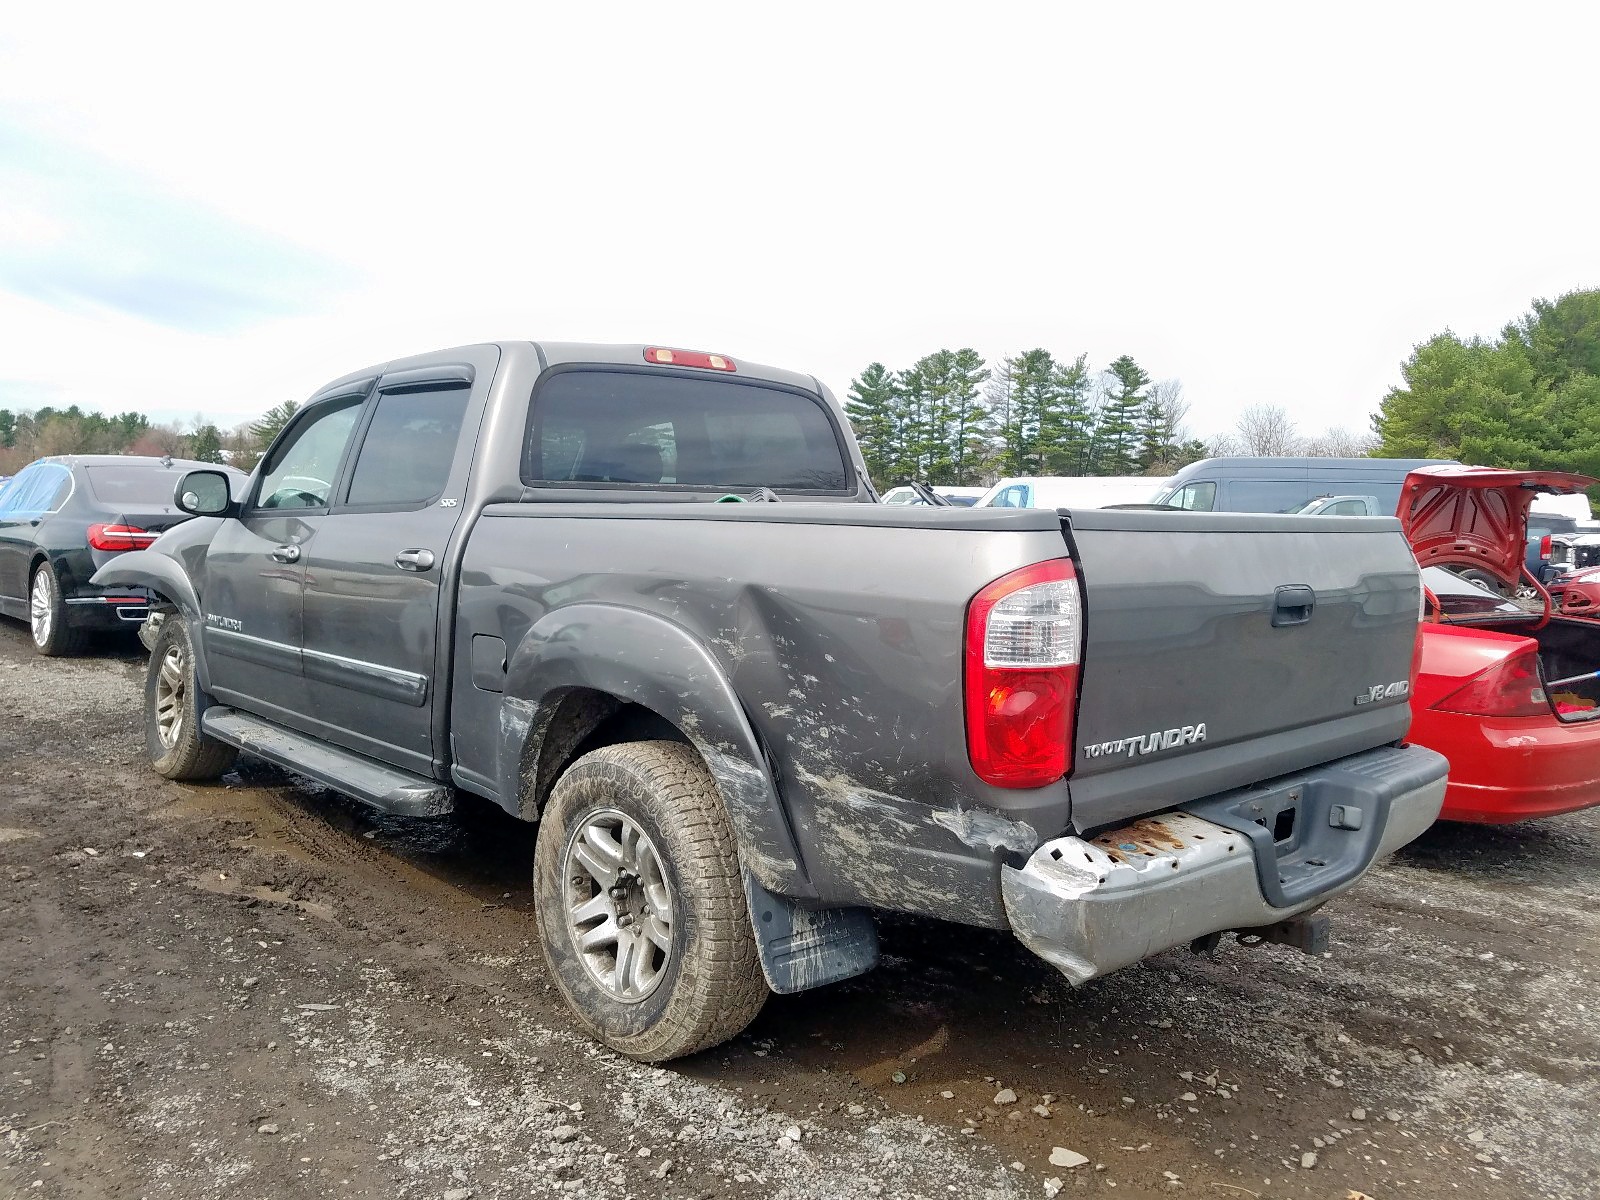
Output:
x=1339 y=442
x=1267 y=429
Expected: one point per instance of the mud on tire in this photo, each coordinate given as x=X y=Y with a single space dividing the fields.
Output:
x=48 y=616
x=641 y=905
x=172 y=737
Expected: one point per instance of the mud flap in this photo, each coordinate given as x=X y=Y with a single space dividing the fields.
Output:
x=803 y=948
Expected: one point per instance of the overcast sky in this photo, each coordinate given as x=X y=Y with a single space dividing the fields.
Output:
x=215 y=208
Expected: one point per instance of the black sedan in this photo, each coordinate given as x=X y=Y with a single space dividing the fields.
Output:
x=61 y=519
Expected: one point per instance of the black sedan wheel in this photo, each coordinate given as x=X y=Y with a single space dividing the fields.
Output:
x=47 y=617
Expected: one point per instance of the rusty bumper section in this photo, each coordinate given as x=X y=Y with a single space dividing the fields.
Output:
x=1090 y=906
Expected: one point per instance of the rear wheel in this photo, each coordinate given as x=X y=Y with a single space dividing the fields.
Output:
x=47 y=616
x=641 y=905
x=172 y=737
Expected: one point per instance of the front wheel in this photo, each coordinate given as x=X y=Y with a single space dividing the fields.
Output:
x=641 y=905
x=172 y=736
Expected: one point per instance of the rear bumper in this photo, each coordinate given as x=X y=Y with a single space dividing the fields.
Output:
x=1091 y=906
x=111 y=608
x=1505 y=769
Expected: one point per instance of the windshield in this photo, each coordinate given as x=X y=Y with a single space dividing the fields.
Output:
x=656 y=430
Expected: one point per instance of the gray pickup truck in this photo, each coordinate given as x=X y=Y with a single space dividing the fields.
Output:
x=744 y=728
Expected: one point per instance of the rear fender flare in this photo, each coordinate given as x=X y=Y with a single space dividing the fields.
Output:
x=646 y=660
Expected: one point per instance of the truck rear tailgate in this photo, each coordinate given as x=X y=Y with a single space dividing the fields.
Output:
x=1225 y=648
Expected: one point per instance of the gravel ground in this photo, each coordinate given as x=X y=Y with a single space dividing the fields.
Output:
x=259 y=989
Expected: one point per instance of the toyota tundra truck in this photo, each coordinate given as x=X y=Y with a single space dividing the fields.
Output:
x=646 y=598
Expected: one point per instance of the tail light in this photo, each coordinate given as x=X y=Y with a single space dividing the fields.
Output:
x=1024 y=643
x=1510 y=688
x=120 y=537
x=1544 y=547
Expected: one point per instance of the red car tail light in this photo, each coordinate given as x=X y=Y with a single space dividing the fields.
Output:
x=1024 y=641
x=120 y=537
x=1510 y=688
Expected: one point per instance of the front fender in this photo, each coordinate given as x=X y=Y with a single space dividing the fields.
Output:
x=165 y=576
x=651 y=662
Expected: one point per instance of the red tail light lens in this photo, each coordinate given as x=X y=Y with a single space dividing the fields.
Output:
x=1544 y=547
x=1024 y=642
x=120 y=537
x=689 y=358
x=1510 y=688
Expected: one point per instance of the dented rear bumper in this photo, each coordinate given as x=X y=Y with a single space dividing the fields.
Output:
x=1241 y=860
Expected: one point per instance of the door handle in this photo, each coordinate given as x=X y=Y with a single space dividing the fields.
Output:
x=414 y=560
x=286 y=554
x=1292 y=605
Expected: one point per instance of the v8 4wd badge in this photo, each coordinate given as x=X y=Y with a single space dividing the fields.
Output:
x=1383 y=691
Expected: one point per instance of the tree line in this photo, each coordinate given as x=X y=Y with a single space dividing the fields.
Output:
x=950 y=418
x=40 y=433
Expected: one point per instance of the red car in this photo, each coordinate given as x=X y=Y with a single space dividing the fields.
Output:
x=1510 y=697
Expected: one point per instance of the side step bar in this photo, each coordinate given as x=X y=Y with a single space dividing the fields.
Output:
x=375 y=783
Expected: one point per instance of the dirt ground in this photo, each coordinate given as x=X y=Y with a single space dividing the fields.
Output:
x=260 y=990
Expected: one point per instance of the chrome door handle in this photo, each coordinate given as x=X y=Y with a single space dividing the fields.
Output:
x=286 y=554
x=414 y=560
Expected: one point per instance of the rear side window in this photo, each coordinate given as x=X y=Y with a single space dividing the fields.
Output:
x=405 y=457
x=1267 y=495
x=41 y=488
x=132 y=485
x=654 y=431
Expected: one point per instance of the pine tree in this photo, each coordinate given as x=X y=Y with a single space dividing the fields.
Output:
x=205 y=444
x=1119 y=419
x=870 y=407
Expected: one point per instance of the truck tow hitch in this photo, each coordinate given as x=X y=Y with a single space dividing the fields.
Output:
x=1307 y=932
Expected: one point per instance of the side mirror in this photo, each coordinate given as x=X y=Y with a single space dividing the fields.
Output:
x=203 y=494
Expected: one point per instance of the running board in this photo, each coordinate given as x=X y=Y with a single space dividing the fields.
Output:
x=374 y=783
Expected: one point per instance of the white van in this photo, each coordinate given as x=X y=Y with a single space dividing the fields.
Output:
x=1072 y=491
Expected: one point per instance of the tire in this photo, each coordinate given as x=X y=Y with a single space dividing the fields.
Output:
x=697 y=977
x=172 y=737
x=1485 y=580
x=53 y=636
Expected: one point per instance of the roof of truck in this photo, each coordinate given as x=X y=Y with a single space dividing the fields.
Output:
x=621 y=354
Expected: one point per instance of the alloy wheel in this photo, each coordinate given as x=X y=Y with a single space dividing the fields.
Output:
x=41 y=607
x=619 y=905
x=171 y=687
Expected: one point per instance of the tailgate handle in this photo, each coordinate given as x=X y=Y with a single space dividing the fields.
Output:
x=1292 y=605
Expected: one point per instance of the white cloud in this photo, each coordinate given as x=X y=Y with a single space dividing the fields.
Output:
x=1272 y=203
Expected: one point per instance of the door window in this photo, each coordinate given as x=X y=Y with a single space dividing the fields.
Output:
x=1267 y=495
x=1015 y=496
x=300 y=473
x=405 y=457
x=1197 y=497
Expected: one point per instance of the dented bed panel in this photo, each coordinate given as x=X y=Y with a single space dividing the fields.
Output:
x=838 y=643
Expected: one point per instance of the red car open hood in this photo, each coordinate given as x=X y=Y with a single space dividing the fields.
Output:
x=1476 y=516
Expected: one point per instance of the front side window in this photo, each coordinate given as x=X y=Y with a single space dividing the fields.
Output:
x=301 y=470
x=1196 y=497
x=406 y=455
x=626 y=427
x=1015 y=496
